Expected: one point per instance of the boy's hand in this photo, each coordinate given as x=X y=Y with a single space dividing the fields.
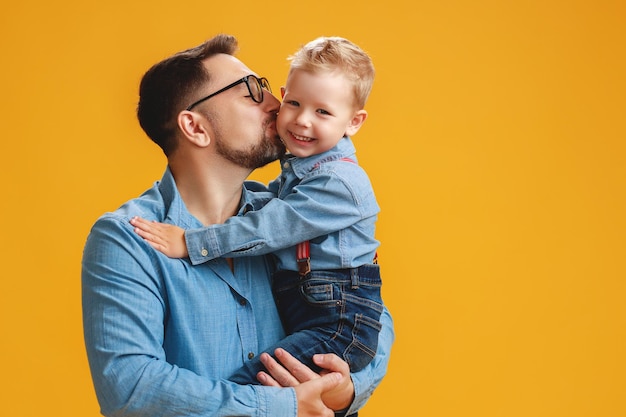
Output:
x=164 y=237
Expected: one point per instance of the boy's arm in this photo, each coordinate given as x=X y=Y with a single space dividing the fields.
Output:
x=321 y=204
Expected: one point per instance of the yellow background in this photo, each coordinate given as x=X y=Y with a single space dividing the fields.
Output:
x=496 y=144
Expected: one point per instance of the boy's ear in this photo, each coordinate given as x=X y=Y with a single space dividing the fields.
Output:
x=192 y=126
x=282 y=92
x=356 y=122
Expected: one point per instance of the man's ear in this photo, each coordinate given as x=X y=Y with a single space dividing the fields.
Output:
x=282 y=92
x=356 y=122
x=193 y=126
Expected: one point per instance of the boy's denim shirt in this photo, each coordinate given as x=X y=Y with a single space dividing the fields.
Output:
x=326 y=198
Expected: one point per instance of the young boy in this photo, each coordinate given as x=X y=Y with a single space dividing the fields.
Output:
x=328 y=290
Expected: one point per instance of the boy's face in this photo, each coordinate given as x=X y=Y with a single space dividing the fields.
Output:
x=316 y=112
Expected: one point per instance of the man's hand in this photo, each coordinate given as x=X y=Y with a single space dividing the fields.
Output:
x=292 y=373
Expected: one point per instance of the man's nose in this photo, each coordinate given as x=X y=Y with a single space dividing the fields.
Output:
x=271 y=103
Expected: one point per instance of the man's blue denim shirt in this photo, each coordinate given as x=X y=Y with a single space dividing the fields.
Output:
x=162 y=335
x=325 y=198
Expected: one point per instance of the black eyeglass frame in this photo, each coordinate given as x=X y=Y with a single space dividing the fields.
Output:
x=262 y=82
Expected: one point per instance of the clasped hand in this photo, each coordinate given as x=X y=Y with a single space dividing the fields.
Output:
x=317 y=394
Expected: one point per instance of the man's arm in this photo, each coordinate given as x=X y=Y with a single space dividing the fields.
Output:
x=124 y=311
x=290 y=372
x=367 y=380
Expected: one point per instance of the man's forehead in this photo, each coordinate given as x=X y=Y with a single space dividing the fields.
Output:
x=226 y=68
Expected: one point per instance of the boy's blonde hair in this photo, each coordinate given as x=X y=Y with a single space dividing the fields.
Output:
x=328 y=54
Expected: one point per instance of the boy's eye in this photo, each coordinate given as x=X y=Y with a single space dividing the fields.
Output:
x=322 y=111
x=292 y=103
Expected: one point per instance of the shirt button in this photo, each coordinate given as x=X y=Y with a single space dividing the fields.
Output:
x=250 y=355
x=286 y=165
x=242 y=301
x=204 y=252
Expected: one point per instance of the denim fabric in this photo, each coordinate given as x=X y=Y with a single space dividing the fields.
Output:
x=322 y=198
x=162 y=335
x=326 y=312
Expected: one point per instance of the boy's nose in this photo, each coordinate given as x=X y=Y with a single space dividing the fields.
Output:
x=303 y=119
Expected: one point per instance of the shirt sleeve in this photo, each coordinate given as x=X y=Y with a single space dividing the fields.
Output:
x=324 y=202
x=367 y=380
x=123 y=315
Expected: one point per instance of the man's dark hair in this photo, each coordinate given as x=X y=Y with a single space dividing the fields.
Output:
x=168 y=87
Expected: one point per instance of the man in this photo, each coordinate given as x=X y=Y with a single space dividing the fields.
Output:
x=162 y=336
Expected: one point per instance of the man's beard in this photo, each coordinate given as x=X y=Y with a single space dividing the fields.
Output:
x=267 y=150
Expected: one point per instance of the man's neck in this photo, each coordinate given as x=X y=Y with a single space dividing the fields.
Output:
x=210 y=195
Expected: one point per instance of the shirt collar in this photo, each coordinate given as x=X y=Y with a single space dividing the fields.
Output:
x=301 y=166
x=176 y=211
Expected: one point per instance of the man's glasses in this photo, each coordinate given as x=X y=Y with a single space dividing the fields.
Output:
x=255 y=86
